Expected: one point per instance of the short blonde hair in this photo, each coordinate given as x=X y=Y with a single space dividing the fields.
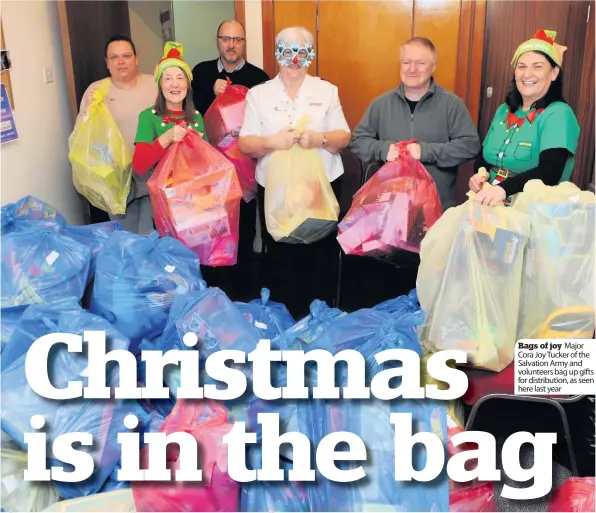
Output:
x=288 y=34
x=422 y=41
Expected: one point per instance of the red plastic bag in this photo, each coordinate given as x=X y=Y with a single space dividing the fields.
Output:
x=245 y=167
x=208 y=423
x=393 y=210
x=479 y=498
x=575 y=494
x=195 y=194
x=226 y=114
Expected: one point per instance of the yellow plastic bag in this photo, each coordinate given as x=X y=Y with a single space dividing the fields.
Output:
x=474 y=305
x=558 y=297
x=101 y=160
x=16 y=493
x=300 y=207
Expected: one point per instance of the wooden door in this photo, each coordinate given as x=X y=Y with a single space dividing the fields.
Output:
x=358 y=44
x=85 y=28
x=509 y=23
x=296 y=13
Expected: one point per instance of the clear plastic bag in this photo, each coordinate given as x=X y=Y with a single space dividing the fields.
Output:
x=100 y=157
x=558 y=297
x=475 y=309
x=300 y=206
x=117 y=502
x=136 y=278
x=393 y=210
x=195 y=194
x=208 y=423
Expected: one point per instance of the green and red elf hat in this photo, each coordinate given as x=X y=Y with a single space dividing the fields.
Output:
x=542 y=41
x=172 y=56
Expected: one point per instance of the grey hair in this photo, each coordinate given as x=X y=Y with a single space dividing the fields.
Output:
x=288 y=33
x=422 y=41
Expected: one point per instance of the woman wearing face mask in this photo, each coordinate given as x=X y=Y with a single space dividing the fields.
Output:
x=296 y=274
x=173 y=114
x=534 y=134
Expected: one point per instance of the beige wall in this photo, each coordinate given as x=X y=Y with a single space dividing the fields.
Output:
x=38 y=162
x=145 y=30
x=254 y=32
x=195 y=24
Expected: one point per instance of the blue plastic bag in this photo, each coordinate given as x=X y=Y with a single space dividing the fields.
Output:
x=30 y=211
x=308 y=329
x=41 y=266
x=269 y=317
x=216 y=321
x=271 y=496
x=401 y=304
x=9 y=319
x=136 y=279
x=33 y=324
x=104 y=419
x=370 y=421
x=92 y=235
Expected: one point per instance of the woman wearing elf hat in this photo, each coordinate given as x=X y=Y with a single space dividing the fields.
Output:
x=534 y=134
x=173 y=114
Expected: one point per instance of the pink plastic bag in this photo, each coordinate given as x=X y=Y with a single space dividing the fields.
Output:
x=195 y=194
x=226 y=114
x=575 y=494
x=208 y=423
x=393 y=210
x=479 y=498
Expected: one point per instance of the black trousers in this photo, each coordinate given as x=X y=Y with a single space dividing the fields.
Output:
x=240 y=281
x=297 y=274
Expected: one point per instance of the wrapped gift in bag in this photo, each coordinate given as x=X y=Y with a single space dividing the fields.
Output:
x=269 y=317
x=41 y=265
x=30 y=212
x=225 y=116
x=103 y=419
x=208 y=423
x=196 y=195
x=558 y=297
x=475 y=308
x=101 y=160
x=393 y=210
x=300 y=206
x=245 y=167
x=137 y=277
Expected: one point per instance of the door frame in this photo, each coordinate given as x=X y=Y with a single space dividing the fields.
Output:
x=469 y=56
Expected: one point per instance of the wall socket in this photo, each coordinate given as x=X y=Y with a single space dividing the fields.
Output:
x=48 y=75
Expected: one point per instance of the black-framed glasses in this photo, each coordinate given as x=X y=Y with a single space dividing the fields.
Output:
x=227 y=39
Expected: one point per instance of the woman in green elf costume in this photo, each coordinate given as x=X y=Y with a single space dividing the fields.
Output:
x=534 y=133
x=173 y=114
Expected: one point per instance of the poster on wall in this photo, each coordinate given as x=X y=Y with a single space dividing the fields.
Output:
x=8 y=131
x=167 y=26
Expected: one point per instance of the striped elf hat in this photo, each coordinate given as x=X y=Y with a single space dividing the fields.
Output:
x=172 y=56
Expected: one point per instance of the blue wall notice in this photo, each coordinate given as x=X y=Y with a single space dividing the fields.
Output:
x=8 y=128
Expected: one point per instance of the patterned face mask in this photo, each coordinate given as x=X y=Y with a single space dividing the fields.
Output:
x=289 y=53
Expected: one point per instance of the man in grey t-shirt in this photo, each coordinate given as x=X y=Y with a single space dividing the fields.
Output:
x=419 y=109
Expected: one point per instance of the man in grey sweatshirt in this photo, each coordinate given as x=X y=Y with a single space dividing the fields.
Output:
x=419 y=109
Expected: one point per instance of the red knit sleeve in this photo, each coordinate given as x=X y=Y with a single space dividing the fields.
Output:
x=146 y=155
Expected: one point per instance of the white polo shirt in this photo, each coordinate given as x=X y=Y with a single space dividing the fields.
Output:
x=269 y=109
